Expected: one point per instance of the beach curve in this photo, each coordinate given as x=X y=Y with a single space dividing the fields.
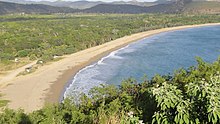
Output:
x=31 y=92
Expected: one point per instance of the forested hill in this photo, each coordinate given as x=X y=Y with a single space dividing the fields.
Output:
x=178 y=6
x=116 y=8
x=171 y=7
x=175 y=7
x=7 y=8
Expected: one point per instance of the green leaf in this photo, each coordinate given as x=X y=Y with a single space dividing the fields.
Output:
x=185 y=118
x=176 y=119
x=181 y=121
x=197 y=121
x=153 y=121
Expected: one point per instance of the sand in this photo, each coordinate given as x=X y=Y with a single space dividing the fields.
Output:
x=46 y=85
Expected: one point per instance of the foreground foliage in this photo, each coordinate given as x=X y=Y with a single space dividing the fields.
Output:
x=45 y=36
x=190 y=96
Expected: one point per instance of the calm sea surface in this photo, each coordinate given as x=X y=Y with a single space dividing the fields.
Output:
x=159 y=54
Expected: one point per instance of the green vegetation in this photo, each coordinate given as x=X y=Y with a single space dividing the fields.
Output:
x=46 y=36
x=3 y=102
x=188 y=97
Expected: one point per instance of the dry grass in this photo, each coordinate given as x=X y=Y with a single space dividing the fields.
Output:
x=11 y=65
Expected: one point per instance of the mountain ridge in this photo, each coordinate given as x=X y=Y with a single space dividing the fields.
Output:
x=81 y=4
x=8 y=8
x=179 y=6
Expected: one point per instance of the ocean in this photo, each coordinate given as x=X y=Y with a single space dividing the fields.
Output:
x=159 y=54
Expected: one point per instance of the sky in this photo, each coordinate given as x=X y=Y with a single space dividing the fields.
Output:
x=100 y=0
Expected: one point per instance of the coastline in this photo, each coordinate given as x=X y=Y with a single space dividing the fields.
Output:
x=48 y=83
x=52 y=98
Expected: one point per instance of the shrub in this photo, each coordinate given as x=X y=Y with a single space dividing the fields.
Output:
x=22 y=53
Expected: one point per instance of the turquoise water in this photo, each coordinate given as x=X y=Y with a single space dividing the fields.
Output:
x=159 y=54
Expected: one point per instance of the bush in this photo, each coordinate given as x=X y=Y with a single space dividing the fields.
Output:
x=33 y=57
x=164 y=99
x=6 y=56
x=22 y=53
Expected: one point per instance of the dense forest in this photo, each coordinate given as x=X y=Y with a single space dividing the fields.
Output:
x=31 y=37
x=186 y=97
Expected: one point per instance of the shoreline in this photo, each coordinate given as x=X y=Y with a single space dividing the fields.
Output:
x=75 y=70
x=68 y=76
x=48 y=83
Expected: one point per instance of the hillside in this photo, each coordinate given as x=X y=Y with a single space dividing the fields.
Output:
x=180 y=6
x=74 y=5
x=203 y=7
x=118 y=8
x=83 y=4
x=134 y=9
x=7 y=8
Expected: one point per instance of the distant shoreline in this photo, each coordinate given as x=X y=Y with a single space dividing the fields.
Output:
x=48 y=83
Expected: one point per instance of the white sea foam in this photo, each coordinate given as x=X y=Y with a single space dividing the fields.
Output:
x=86 y=78
x=91 y=75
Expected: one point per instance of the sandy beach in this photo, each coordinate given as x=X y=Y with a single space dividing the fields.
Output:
x=46 y=85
